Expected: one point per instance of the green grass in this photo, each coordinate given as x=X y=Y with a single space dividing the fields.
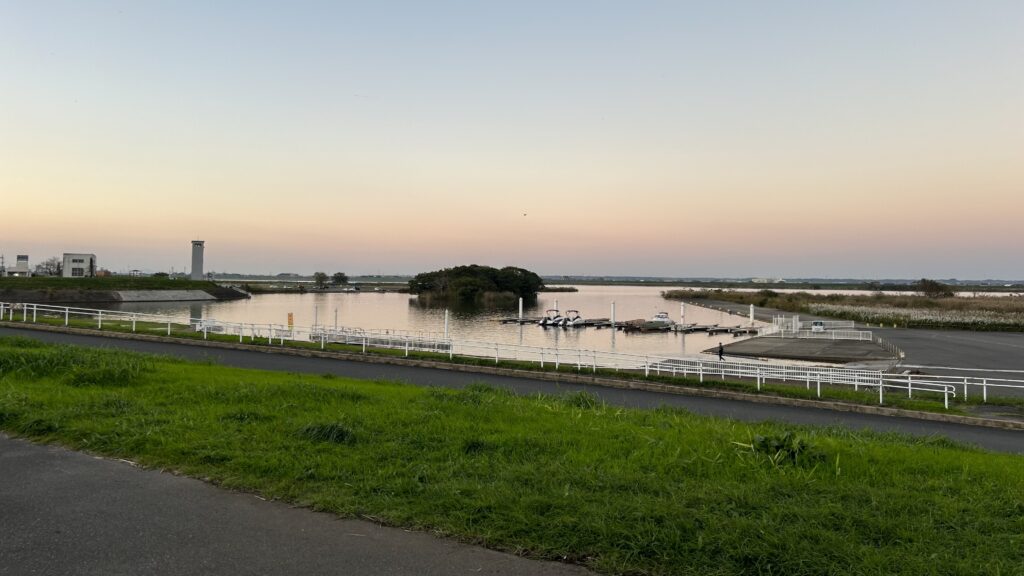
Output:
x=106 y=283
x=621 y=491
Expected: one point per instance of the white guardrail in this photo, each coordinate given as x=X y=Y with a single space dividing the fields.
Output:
x=699 y=367
x=826 y=335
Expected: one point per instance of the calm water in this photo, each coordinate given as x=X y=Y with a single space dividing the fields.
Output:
x=404 y=312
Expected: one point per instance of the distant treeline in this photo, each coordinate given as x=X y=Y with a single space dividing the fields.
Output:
x=474 y=283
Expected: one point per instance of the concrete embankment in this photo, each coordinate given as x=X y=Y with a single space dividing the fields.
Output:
x=832 y=351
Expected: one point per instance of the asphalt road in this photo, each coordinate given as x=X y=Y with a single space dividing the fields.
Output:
x=959 y=348
x=64 y=512
x=989 y=438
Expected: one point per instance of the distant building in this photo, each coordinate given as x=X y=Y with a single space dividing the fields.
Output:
x=197 y=259
x=20 y=267
x=79 y=265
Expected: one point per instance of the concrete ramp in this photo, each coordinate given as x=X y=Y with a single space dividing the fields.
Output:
x=163 y=295
x=814 y=350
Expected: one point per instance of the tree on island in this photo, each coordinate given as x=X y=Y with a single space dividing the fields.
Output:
x=320 y=279
x=339 y=278
x=468 y=284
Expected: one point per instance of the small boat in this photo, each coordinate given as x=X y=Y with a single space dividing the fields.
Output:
x=573 y=319
x=552 y=318
x=661 y=318
x=659 y=321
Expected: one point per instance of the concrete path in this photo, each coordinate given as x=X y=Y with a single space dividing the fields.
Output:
x=989 y=438
x=64 y=512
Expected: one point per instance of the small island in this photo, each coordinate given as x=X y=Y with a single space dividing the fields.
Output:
x=476 y=284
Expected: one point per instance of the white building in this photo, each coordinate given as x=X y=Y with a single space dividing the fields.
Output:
x=20 y=268
x=79 y=265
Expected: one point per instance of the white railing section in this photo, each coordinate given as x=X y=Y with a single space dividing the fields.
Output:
x=826 y=335
x=699 y=367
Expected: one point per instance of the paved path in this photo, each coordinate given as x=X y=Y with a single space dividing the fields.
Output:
x=64 y=512
x=990 y=438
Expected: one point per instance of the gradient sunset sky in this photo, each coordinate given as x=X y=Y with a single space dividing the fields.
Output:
x=829 y=139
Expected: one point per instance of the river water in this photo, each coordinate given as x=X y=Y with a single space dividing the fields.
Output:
x=404 y=312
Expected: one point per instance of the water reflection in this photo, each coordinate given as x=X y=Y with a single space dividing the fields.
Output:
x=405 y=312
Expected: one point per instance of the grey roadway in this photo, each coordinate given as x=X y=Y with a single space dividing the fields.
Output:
x=64 y=512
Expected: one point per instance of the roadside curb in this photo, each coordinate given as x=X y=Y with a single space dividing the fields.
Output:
x=547 y=376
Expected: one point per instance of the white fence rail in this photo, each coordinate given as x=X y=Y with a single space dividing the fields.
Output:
x=826 y=335
x=699 y=367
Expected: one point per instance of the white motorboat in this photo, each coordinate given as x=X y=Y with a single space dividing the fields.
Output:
x=552 y=318
x=573 y=318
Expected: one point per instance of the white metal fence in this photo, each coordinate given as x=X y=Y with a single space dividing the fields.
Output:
x=699 y=367
x=826 y=335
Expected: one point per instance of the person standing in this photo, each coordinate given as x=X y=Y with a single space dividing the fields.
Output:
x=721 y=352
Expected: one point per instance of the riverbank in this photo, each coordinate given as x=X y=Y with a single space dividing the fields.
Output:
x=52 y=290
x=545 y=476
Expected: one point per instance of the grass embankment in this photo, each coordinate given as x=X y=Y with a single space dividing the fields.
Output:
x=56 y=289
x=924 y=401
x=622 y=491
x=988 y=313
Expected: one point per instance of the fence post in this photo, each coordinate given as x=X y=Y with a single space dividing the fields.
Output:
x=406 y=347
x=910 y=385
x=819 y=384
x=99 y=321
x=945 y=397
x=965 y=387
x=133 y=322
x=495 y=355
x=700 y=367
x=595 y=362
x=556 y=359
x=323 y=339
x=541 y=357
x=984 y=390
x=647 y=366
x=364 y=344
x=881 y=392
x=758 y=379
x=169 y=328
x=35 y=308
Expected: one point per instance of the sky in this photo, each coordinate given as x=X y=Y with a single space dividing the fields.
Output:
x=870 y=139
